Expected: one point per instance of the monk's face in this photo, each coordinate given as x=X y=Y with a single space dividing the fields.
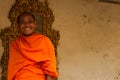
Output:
x=27 y=25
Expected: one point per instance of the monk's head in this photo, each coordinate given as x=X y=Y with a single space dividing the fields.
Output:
x=26 y=23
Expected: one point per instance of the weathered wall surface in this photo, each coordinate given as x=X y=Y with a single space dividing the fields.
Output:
x=90 y=39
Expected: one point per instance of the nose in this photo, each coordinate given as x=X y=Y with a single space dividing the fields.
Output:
x=26 y=24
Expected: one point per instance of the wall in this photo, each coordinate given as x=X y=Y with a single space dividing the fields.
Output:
x=90 y=38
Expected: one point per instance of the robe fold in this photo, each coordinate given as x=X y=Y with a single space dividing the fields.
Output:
x=31 y=58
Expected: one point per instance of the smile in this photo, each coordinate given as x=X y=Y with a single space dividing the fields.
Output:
x=27 y=29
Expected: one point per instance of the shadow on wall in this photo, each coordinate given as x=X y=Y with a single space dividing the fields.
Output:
x=111 y=1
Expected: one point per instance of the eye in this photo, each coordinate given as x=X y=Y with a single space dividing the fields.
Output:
x=22 y=22
x=30 y=21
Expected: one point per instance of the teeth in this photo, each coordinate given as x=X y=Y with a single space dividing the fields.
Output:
x=27 y=28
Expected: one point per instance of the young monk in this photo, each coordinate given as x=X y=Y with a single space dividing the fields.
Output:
x=31 y=55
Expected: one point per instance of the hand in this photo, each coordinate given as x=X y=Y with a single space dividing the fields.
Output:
x=51 y=78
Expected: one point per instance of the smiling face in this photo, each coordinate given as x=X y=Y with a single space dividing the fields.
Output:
x=26 y=24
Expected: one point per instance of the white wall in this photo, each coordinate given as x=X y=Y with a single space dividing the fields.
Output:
x=90 y=38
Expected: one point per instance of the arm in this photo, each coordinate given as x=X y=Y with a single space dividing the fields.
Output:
x=49 y=66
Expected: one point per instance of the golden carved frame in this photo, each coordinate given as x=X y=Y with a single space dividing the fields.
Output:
x=36 y=7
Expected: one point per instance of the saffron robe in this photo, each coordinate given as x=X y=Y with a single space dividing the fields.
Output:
x=31 y=58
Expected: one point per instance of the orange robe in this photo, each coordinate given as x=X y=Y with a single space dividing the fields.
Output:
x=31 y=58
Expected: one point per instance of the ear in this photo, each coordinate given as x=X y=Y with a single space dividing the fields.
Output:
x=18 y=25
x=35 y=23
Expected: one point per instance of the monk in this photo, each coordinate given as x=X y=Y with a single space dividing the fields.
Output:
x=31 y=55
